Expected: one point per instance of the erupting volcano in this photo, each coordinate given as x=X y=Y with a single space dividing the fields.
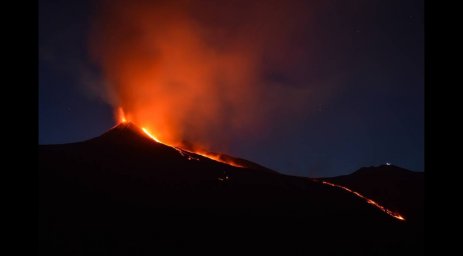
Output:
x=181 y=149
x=262 y=79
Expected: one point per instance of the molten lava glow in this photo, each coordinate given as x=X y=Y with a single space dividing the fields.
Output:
x=151 y=135
x=370 y=201
x=191 y=155
x=218 y=158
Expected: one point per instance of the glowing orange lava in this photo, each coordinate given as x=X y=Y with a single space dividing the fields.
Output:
x=370 y=201
x=188 y=154
x=151 y=135
x=218 y=158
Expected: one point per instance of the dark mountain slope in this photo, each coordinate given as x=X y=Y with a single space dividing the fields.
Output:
x=124 y=194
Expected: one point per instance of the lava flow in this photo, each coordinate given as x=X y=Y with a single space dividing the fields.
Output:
x=190 y=155
x=185 y=153
x=370 y=201
x=151 y=135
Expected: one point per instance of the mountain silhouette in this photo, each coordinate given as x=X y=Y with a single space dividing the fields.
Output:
x=123 y=193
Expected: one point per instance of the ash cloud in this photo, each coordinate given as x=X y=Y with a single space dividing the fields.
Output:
x=206 y=72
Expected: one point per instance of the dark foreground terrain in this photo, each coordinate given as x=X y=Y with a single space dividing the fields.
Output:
x=124 y=194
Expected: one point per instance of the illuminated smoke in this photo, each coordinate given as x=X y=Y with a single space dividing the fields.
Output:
x=193 y=71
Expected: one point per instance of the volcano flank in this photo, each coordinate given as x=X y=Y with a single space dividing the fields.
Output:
x=123 y=193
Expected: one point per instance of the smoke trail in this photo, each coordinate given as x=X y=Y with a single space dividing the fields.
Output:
x=199 y=71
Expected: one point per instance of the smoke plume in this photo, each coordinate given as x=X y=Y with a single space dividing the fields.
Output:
x=200 y=71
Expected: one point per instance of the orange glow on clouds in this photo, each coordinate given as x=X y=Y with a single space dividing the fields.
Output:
x=188 y=73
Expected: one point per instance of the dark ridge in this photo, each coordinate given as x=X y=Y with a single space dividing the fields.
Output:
x=124 y=194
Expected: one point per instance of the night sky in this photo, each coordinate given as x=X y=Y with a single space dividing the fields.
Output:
x=361 y=61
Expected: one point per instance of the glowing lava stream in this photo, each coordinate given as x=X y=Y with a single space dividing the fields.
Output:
x=151 y=135
x=190 y=155
x=370 y=201
x=182 y=152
